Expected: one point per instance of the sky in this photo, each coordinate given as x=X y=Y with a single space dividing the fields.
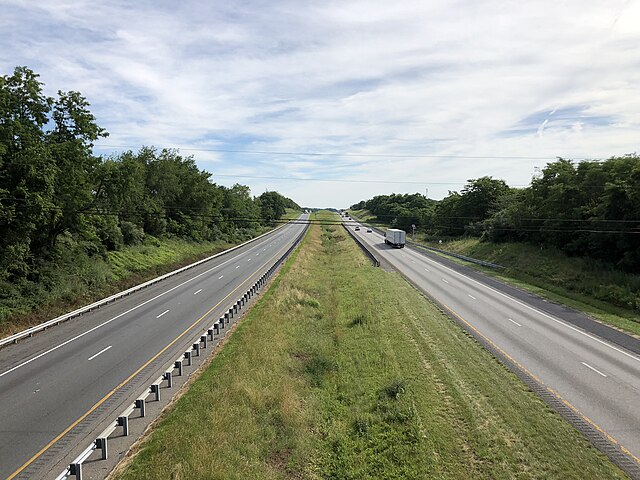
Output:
x=332 y=102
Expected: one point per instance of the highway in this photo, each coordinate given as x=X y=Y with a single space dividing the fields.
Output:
x=598 y=378
x=56 y=386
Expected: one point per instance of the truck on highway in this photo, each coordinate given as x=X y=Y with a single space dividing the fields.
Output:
x=395 y=238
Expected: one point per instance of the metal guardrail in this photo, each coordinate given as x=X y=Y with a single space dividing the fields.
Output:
x=216 y=331
x=88 y=308
x=418 y=246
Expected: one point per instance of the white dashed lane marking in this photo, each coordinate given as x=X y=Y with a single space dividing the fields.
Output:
x=101 y=351
x=594 y=369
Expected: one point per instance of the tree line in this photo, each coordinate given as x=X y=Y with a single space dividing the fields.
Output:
x=587 y=208
x=54 y=193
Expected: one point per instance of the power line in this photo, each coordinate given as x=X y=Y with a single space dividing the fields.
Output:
x=401 y=182
x=373 y=155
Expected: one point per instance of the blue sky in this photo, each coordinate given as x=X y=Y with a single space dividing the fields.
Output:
x=394 y=91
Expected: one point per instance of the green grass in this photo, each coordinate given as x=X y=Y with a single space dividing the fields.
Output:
x=291 y=214
x=595 y=288
x=344 y=371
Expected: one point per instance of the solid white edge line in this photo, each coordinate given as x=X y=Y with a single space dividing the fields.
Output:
x=594 y=369
x=166 y=311
x=26 y=362
x=513 y=321
x=197 y=292
x=101 y=351
x=582 y=332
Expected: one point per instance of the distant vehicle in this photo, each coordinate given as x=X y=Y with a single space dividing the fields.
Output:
x=369 y=230
x=395 y=238
x=357 y=228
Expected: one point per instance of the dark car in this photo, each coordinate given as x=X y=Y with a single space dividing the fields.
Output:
x=357 y=228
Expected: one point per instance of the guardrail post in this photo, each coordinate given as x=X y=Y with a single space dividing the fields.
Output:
x=203 y=340
x=196 y=348
x=187 y=355
x=226 y=319
x=178 y=364
x=155 y=388
x=101 y=444
x=211 y=333
x=216 y=329
x=76 y=469
x=124 y=423
x=231 y=312
x=169 y=378
x=141 y=405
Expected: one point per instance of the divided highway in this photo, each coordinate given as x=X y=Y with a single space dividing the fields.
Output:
x=57 y=387
x=600 y=379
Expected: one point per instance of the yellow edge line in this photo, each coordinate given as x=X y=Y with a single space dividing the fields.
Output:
x=106 y=397
x=550 y=390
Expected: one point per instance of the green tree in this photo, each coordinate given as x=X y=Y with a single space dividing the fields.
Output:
x=272 y=206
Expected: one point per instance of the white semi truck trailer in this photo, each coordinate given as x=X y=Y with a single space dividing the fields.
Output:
x=395 y=238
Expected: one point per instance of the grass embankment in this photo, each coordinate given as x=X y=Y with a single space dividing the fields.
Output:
x=74 y=279
x=587 y=285
x=79 y=281
x=343 y=370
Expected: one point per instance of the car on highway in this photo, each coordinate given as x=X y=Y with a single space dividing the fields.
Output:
x=357 y=228
x=369 y=230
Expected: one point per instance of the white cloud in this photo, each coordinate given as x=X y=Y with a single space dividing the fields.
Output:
x=402 y=78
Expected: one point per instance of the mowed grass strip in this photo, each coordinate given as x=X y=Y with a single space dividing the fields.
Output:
x=344 y=371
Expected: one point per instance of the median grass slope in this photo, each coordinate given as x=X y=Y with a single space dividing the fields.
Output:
x=344 y=371
x=593 y=287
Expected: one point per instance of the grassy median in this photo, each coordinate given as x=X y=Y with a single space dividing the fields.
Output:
x=344 y=371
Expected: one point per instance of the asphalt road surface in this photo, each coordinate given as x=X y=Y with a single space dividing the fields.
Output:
x=58 y=385
x=597 y=377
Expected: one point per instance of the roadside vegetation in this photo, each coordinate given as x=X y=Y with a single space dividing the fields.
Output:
x=587 y=209
x=72 y=223
x=344 y=371
x=578 y=282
